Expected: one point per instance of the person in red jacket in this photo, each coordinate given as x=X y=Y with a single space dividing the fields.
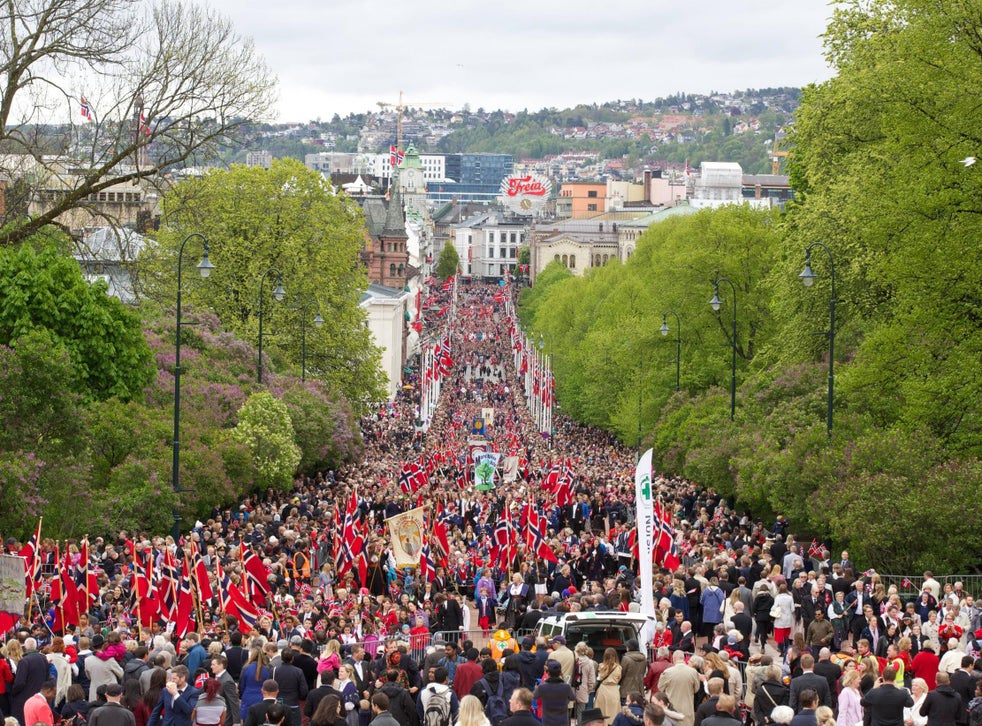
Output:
x=925 y=665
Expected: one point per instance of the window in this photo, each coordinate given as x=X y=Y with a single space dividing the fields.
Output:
x=566 y=260
x=556 y=258
x=392 y=270
x=591 y=207
x=572 y=262
x=592 y=194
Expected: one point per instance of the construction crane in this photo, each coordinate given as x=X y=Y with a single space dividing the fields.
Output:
x=778 y=153
x=401 y=107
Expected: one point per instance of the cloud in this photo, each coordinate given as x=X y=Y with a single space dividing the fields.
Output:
x=344 y=56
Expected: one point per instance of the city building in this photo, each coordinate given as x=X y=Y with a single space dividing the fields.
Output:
x=581 y=200
x=110 y=254
x=471 y=178
x=488 y=243
x=262 y=159
x=385 y=254
x=386 y=309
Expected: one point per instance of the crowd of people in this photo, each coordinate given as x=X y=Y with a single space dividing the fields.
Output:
x=753 y=627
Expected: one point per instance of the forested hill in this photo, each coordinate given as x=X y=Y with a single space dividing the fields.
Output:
x=737 y=126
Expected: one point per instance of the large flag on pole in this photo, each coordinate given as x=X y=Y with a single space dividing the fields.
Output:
x=646 y=535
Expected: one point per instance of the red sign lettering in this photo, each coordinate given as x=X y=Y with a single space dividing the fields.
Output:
x=525 y=185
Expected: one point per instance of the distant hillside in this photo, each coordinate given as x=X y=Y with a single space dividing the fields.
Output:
x=734 y=126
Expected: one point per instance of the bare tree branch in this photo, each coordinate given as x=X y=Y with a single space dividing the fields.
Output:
x=167 y=83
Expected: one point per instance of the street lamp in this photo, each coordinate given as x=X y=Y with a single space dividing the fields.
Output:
x=318 y=322
x=808 y=278
x=716 y=303
x=278 y=294
x=204 y=267
x=678 y=343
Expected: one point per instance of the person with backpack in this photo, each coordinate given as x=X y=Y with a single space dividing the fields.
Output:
x=584 y=680
x=438 y=704
x=492 y=692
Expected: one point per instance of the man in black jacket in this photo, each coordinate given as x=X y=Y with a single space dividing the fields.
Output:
x=809 y=680
x=401 y=704
x=32 y=672
x=237 y=655
x=724 y=713
x=963 y=683
x=257 y=713
x=885 y=704
x=944 y=706
x=520 y=704
x=293 y=687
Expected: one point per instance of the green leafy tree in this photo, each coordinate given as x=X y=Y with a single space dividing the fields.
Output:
x=42 y=436
x=882 y=184
x=265 y=428
x=449 y=260
x=284 y=219
x=45 y=290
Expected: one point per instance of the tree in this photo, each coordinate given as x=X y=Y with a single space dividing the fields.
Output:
x=883 y=185
x=285 y=220
x=446 y=266
x=165 y=84
x=44 y=290
x=265 y=428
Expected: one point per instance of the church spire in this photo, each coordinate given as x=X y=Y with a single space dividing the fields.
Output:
x=395 y=221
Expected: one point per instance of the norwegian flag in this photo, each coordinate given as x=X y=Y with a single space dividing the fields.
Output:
x=168 y=586
x=536 y=526
x=907 y=583
x=869 y=573
x=395 y=156
x=448 y=284
x=144 y=124
x=31 y=552
x=184 y=612
x=256 y=576
x=200 y=574
x=85 y=109
x=440 y=528
x=505 y=538
x=412 y=478
x=446 y=361
x=551 y=479
x=236 y=603
x=427 y=570
x=564 y=489
x=815 y=549
x=351 y=542
x=666 y=553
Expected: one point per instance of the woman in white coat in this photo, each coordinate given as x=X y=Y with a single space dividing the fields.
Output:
x=783 y=620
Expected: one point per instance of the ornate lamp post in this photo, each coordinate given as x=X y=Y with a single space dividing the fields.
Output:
x=808 y=278
x=278 y=294
x=678 y=343
x=716 y=303
x=204 y=267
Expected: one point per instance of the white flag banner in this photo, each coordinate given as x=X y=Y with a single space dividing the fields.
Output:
x=646 y=533
x=510 y=469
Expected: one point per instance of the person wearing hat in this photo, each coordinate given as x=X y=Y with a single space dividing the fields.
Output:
x=554 y=695
x=592 y=717
x=101 y=672
x=563 y=655
x=113 y=713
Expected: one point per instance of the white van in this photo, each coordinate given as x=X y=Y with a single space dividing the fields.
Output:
x=600 y=629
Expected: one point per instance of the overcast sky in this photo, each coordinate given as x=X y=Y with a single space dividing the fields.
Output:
x=343 y=56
